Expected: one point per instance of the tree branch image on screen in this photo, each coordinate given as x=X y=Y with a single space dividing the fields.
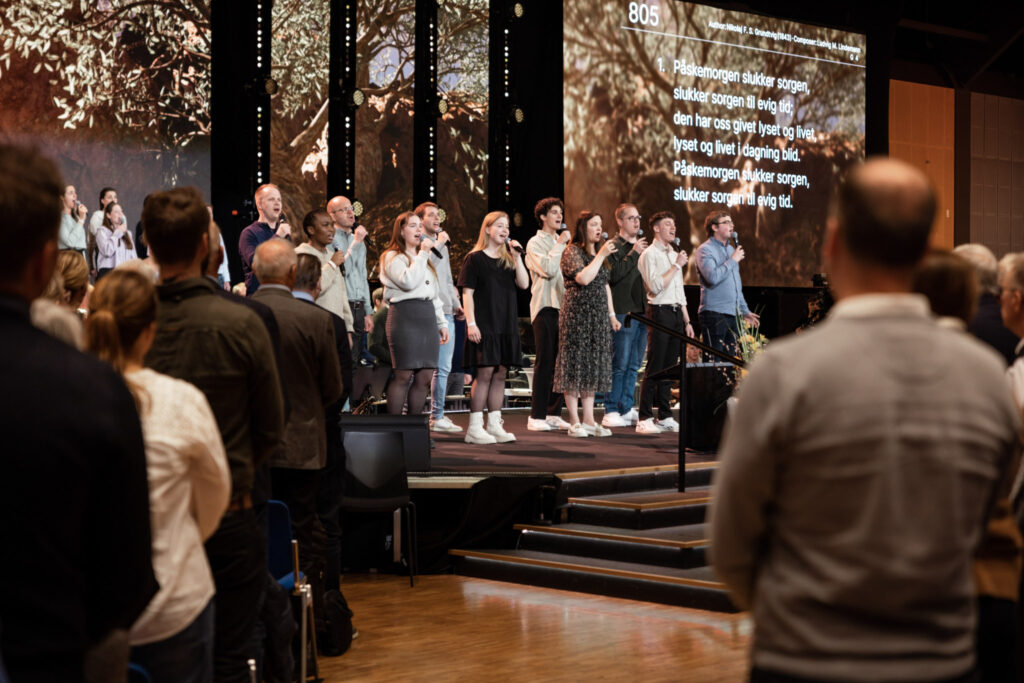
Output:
x=678 y=106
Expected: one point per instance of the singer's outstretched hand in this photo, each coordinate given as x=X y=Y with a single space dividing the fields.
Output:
x=752 y=319
x=738 y=255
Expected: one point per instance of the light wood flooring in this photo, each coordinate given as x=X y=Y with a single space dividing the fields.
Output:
x=452 y=628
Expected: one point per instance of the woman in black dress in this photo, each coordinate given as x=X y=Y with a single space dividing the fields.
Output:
x=585 y=325
x=489 y=276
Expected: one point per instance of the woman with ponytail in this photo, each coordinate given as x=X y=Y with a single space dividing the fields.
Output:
x=489 y=277
x=113 y=242
x=189 y=482
x=416 y=324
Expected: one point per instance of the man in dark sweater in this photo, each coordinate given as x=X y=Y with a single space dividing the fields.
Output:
x=224 y=350
x=628 y=296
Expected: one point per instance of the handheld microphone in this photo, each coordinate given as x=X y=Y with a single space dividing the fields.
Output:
x=676 y=241
x=639 y=232
x=508 y=243
x=736 y=239
x=562 y=228
x=604 y=235
x=433 y=250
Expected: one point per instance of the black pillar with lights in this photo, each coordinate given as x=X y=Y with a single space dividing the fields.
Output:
x=426 y=104
x=341 y=115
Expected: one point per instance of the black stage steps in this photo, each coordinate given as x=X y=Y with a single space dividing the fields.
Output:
x=625 y=533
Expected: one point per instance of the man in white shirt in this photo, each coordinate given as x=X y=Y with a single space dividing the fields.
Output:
x=544 y=261
x=860 y=464
x=431 y=219
x=662 y=269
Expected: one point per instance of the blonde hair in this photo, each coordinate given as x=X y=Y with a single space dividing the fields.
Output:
x=483 y=240
x=71 y=266
x=122 y=306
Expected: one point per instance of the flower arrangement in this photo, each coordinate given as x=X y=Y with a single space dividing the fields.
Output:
x=749 y=343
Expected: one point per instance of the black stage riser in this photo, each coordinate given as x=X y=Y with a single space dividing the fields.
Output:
x=619 y=551
x=631 y=482
x=624 y=518
x=584 y=582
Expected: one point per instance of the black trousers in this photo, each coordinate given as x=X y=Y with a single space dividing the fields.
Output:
x=662 y=352
x=358 y=330
x=328 y=505
x=720 y=331
x=298 y=490
x=237 y=553
x=545 y=402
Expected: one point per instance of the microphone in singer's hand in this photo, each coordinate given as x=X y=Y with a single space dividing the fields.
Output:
x=508 y=243
x=640 y=232
x=604 y=235
x=433 y=250
x=736 y=239
x=676 y=241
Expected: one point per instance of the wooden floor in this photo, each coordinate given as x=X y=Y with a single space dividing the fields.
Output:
x=452 y=628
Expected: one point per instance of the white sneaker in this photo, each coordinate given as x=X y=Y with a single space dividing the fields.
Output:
x=556 y=422
x=632 y=417
x=668 y=425
x=590 y=429
x=444 y=425
x=495 y=429
x=614 y=420
x=647 y=427
x=535 y=425
x=578 y=431
x=598 y=430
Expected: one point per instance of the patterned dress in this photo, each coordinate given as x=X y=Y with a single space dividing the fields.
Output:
x=584 y=329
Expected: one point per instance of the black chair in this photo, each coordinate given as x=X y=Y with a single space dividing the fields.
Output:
x=376 y=480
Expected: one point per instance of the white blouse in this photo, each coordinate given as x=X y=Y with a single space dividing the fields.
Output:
x=110 y=251
x=189 y=490
x=405 y=281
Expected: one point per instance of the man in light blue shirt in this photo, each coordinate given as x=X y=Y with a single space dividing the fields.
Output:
x=721 y=290
x=349 y=240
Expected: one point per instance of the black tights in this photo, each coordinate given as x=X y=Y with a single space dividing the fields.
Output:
x=489 y=388
x=399 y=390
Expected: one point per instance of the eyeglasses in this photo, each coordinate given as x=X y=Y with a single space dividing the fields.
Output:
x=633 y=218
x=725 y=222
x=347 y=209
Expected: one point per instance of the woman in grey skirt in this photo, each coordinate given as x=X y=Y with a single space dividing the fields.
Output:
x=416 y=324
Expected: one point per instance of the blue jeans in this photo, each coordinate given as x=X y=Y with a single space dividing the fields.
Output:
x=185 y=657
x=439 y=383
x=628 y=347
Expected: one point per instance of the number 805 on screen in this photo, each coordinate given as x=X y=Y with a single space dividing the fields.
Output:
x=644 y=14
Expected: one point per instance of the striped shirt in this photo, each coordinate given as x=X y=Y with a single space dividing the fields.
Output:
x=544 y=259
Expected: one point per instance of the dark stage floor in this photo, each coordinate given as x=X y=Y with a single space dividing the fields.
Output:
x=554 y=451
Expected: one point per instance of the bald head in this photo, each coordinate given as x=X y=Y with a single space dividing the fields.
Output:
x=274 y=263
x=884 y=212
x=341 y=212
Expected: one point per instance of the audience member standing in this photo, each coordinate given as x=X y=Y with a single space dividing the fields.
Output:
x=489 y=277
x=224 y=350
x=629 y=343
x=113 y=243
x=313 y=378
x=663 y=270
x=269 y=223
x=851 y=496
x=189 y=483
x=544 y=261
x=350 y=242
x=415 y=317
x=72 y=222
x=73 y=493
x=74 y=271
x=987 y=323
x=333 y=296
x=306 y=289
x=430 y=218
x=585 y=325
